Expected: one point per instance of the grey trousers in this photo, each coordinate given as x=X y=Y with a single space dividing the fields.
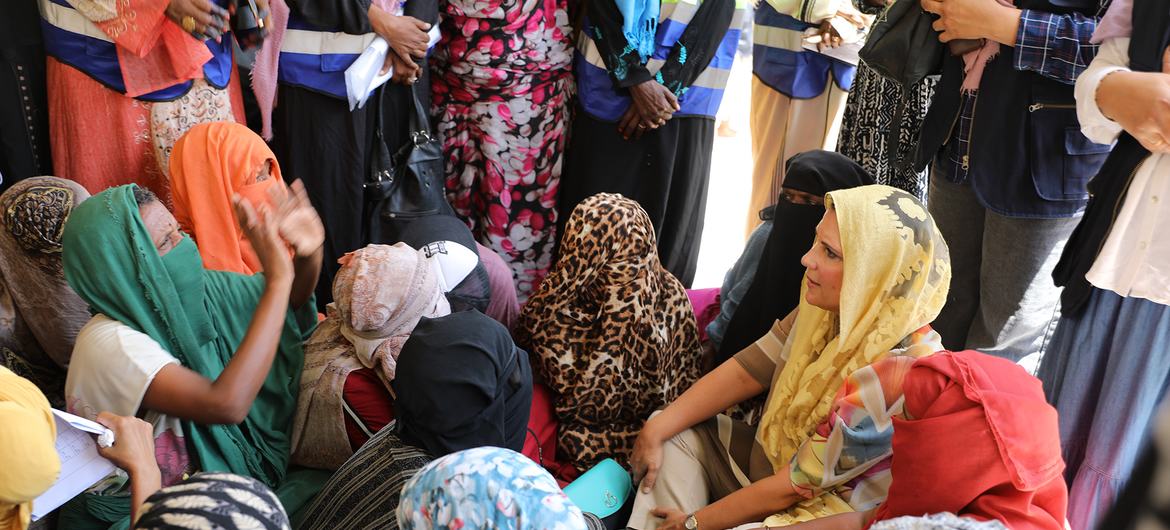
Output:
x=1002 y=300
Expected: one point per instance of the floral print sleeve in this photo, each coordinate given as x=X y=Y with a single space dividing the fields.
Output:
x=849 y=452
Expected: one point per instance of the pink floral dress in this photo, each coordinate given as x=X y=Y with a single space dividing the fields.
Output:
x=502 y=82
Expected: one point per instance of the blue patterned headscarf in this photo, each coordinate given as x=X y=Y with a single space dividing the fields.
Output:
x=486 y=487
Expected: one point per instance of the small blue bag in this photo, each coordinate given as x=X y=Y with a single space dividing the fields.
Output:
x=606 y=491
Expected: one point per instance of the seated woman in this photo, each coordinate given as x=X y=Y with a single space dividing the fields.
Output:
x=486 y=488
x=211 y=164
x=766 y=298
x=1010 y=466
x=214 y=500
x=461 y=383
x=29 y=463
x=877 y=275
x=610 y=330
x=379 y=295
x=211 y=359
x=40 y=315
x=489 y=288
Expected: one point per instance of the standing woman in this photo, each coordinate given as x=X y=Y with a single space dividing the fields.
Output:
x=501 y=95
x=1108 y=365
x=646 y=121
x=126 y=79
x=314 y=133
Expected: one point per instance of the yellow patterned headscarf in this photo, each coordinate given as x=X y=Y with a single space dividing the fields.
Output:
x=897 y=273
x=28 y=455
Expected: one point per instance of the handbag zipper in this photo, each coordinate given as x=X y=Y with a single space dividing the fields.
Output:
x=1037 y=106
x=970 y=140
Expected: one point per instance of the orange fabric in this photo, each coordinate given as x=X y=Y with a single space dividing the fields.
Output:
x=101 y=138
x=983 y=443
x=153 y=51
x=210 y=164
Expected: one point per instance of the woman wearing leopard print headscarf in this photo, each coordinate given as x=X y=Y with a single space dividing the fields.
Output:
x=609 y=330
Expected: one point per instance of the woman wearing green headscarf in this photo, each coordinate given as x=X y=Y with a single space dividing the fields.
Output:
x=211 y=359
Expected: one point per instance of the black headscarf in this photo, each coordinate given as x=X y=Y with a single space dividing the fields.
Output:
x=475 y=291
x=775 y=289
x=462 y=383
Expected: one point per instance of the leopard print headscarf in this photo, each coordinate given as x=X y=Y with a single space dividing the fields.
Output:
x=610 y=330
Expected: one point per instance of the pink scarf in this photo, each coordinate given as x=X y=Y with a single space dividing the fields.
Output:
x=975 y=61
x=266 y=68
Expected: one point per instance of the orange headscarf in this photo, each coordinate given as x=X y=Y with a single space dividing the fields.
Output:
x=209 y=164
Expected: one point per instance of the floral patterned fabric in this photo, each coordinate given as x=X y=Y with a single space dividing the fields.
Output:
x=486 y=487
x=501 y=83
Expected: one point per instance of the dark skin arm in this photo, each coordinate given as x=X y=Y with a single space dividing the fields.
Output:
x=181 y=392
x=133 y=451
x=300 y=227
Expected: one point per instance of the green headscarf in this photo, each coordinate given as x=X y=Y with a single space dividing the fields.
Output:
x=197 y=315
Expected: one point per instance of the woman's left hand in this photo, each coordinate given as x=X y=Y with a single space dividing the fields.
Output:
x=672 y=518
x=297 y=221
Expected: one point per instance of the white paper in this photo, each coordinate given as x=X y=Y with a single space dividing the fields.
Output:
x=847 y=53
x=361 y=78
x=852 y=39
x=81 y=465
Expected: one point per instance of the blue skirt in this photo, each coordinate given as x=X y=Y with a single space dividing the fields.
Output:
x=1105 y=371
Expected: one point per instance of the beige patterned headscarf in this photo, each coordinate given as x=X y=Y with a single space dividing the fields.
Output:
x=32 y=217
x=897 y=274
x=379 y=295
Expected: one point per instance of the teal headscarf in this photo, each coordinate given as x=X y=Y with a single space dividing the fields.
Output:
x=197 y=315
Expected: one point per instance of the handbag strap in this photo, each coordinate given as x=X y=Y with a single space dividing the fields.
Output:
x=420 y=123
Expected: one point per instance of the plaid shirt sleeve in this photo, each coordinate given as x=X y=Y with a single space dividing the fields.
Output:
x=1055 y=46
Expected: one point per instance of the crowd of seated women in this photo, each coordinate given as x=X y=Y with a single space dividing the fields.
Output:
x=822 y=398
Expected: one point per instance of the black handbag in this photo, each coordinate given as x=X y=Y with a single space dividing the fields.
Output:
x=409 y=184
x=902 y=46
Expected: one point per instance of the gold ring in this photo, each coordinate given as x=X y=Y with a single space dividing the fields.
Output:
x=189 y=24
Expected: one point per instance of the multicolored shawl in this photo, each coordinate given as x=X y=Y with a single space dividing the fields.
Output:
x=610 y=330
x=28 y=458
x=197 y=315
x=897 y=274
x=486 y=487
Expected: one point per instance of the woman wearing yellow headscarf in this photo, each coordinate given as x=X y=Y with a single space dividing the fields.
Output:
x=28 y=459
x=876 y=276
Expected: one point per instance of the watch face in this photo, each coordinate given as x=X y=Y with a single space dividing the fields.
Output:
x=691 y=523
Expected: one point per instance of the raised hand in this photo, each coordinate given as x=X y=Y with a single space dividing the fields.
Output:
x=262 y=232
x=296 y=220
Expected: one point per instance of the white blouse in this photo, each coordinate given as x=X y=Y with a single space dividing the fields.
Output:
x=1135 y=261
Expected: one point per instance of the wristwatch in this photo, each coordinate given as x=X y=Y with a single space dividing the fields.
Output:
x=691 y=523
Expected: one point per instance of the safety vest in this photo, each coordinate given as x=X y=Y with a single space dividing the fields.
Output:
x=780 y=61
x=76 y=41
x=315 y=57
x=603 y=100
